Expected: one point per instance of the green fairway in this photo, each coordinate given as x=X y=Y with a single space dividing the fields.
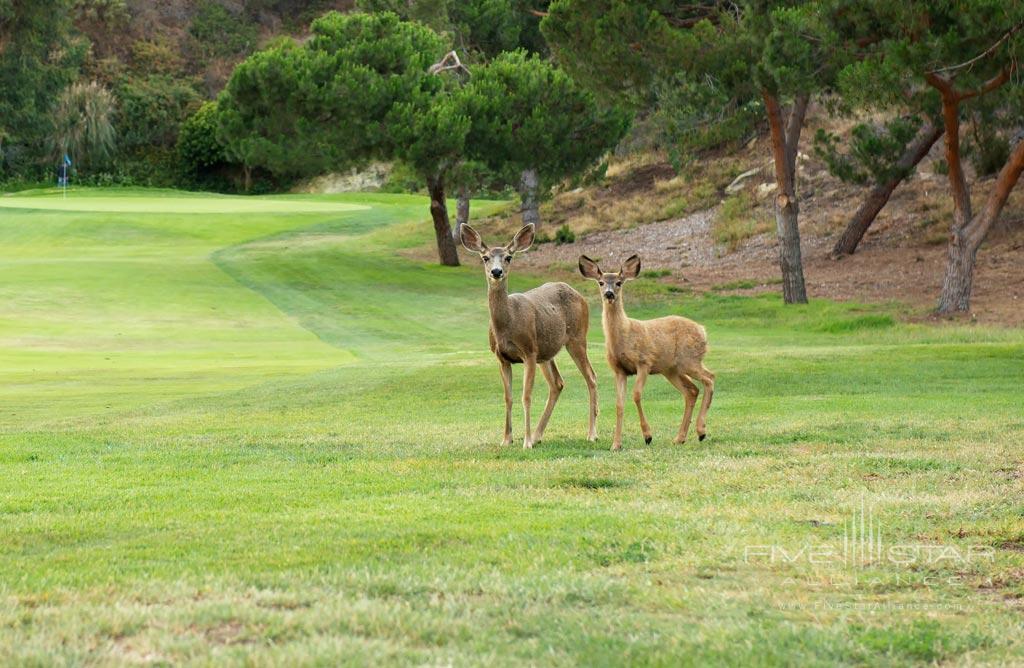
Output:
x=254 y=431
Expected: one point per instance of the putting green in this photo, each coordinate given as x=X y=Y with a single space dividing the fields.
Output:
x=182 y=205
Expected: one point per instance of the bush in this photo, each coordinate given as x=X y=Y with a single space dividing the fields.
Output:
x=198 y=145
x=152 y=109
x=564 y=235
x=220 y=34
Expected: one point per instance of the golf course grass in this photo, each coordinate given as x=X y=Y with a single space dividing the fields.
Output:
x=255 y=431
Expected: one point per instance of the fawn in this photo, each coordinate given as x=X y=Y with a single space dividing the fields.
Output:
x=531 y=328
x=672 y=346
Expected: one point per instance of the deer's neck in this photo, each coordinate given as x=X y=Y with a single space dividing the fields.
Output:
x=498 y=303
x=614 y=321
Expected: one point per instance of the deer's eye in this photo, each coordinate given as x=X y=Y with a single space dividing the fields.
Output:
x=508 y=258
x=600 y=282
x=486 y=259
x=618 y=283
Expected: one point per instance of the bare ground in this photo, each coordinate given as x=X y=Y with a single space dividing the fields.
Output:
x=878 y=272
x=901 y=259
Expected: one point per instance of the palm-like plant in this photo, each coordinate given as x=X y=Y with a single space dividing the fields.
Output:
x=83 y=123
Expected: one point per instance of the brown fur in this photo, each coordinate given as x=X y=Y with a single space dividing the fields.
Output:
x=671 y=346
x=531 y=328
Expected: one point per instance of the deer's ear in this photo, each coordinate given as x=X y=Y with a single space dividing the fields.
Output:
x=522 y=240
x=589 y=268
x=631 y=267
x=471 y=239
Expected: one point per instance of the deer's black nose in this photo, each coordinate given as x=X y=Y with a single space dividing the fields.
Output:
x=608 y=294
x=496 y=272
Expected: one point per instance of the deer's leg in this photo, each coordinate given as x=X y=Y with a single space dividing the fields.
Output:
x=529 y=371
x=555 y=385
x=506 y=382
x=689 y=392
x=620 y=400
x=707 y=379
x=638 y=395
x=578 y=352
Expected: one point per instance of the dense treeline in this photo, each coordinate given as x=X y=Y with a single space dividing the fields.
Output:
x=480 y=95
x=141 y=69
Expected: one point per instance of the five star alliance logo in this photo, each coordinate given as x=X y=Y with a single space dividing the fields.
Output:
x=864 y=545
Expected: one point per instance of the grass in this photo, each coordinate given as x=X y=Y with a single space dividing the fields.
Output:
x=243 y=435
x=738 y=219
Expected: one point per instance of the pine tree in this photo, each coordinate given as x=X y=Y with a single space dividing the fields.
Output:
x=955 y=53
x=530 y=122
x=778 y=53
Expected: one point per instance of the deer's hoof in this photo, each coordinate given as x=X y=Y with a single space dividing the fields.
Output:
x=701 y=437
x=616 y=448
x=648 y=439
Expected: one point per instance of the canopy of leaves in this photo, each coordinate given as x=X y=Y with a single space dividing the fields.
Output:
x=357 y=90
x=873 y=151
x=969 y=42
x=526 y=113
x=696 y=70
x=483 y=28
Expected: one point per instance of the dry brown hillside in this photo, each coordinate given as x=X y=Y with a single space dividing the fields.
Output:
x=706 y=230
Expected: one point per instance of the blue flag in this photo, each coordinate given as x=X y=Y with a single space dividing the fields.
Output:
x=67 y=160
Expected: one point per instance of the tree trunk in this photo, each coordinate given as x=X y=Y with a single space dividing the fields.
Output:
x=446 y=251
x=966 y=238
x=785 y=141
x=957 y=283
x=246 y=177
x=461 y=212
x=880 y=194
x=528 y=186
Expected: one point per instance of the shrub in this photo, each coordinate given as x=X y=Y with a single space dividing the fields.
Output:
x=82 y=124
x=220 y=34
x=564 y=235
x=198 y=145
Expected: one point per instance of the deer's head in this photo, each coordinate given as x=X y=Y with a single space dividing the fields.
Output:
x=610 y=284
x=497 y=259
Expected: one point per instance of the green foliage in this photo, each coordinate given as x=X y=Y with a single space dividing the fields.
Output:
x=152 y=108
x=357 y=90
x=198 y=145
x=82 y=125
x=564 y=235
x=38 y=59
x=480 y=28
x=110 y=12
x=873 y=151
x=696 y=70
x=528 y=114
x=221 y=33
x=986 y=144
x=156 y=57
x=402 y=179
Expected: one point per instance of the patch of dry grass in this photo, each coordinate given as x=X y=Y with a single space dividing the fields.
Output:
x=739 y=218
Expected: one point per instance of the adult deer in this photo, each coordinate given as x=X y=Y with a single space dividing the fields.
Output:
x=671 y=346
x=531 y=328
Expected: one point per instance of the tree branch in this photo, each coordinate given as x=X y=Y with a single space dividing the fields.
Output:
x=1007 y=179
x=951 y=123
x=984 y=54
x=449 y=62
